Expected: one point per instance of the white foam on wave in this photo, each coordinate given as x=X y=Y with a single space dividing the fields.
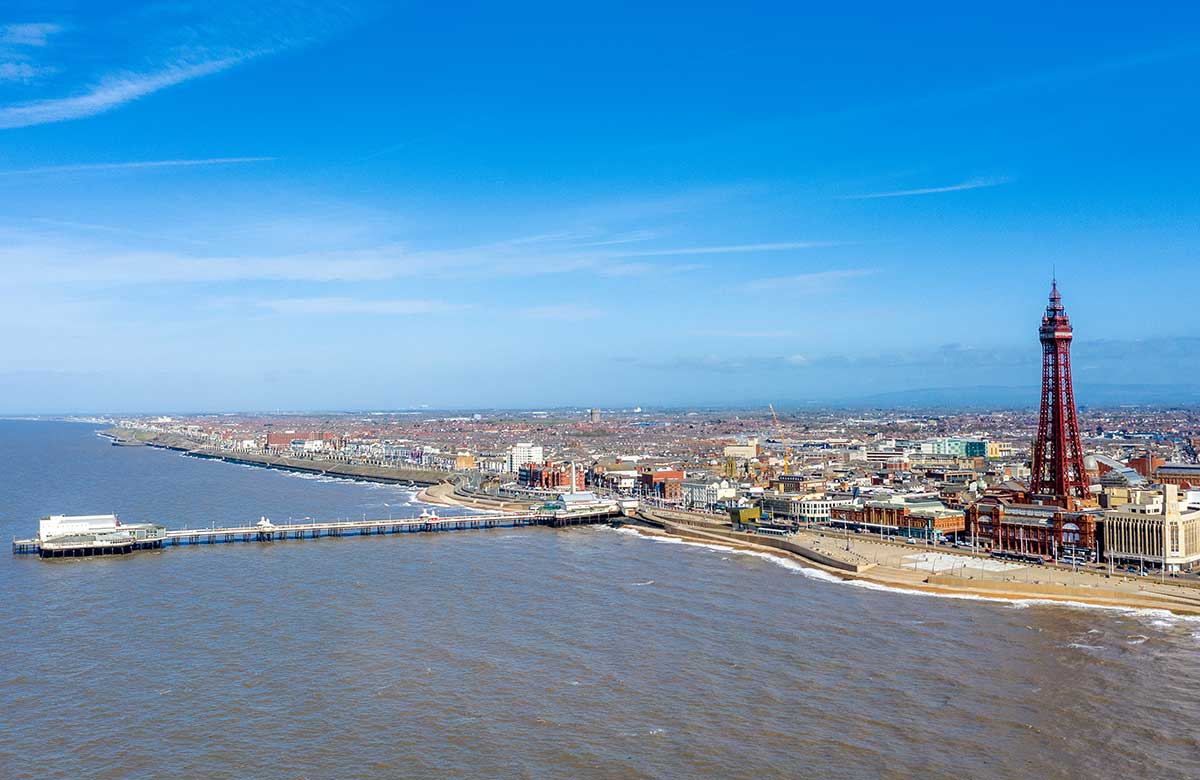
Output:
x=1159 y=618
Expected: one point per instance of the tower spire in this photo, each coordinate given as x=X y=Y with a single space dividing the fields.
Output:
x=1058 y=470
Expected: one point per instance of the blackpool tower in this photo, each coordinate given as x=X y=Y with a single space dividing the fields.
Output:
x=1058 y=473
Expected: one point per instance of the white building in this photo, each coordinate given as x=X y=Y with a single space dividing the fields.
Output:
x=69 y=525
x=1153 y=528
x=816 y=509
x=742 y=451
x=524 y=452
x=705 y=492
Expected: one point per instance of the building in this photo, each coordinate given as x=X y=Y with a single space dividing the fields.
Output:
x=1002 y=523
x=707 y=492
x=797 y=483
x=746 y=451
x=920 y=516
x=302 y=441
x=521 y=453
x=799 y=509
x=1000 y=449
x=1154 y=529
x=955 y=447
x=62 y=536
x=1146 y=464
x=594 y=415
x=1180 y=474
x=887 y=458
x=551 y=476
x=664 y=484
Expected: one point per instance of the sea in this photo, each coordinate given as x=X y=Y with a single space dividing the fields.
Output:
x=528 y=653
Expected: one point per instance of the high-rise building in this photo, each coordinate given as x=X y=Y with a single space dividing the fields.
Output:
x=1058 y=470
x=521 y=453
x=595 y=414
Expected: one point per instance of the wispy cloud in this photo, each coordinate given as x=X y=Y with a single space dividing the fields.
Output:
x=29 y=34
x=816 y=281
x=50 y=260
x=343 y=305
x=972 y=184
x=303 y=250
x=110 y=93
x=20 y=71
x=120 y=231
x=729 y=249
x=567 y=312
x=135 y=164
x=639 y=269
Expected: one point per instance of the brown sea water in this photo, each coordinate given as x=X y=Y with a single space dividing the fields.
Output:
x=532 y=653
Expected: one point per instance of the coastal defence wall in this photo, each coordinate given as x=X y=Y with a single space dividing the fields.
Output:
x=1034 y=590
x=689 y=525
x=325 y=467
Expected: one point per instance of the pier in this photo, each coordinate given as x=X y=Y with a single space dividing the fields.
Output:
x=267 y=531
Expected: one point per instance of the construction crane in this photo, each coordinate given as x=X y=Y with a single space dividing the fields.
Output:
x=787 y=451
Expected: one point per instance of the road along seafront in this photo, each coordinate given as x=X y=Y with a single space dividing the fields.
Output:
x=927 y=570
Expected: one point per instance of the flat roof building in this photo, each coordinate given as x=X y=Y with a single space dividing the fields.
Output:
x=1153 y=528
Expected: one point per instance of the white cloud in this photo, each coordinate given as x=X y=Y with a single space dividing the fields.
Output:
x=134 y=164
x=973 y=184
x=31 y=34
x=110 y=93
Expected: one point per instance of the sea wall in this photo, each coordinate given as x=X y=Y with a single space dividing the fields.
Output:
x=700 y=528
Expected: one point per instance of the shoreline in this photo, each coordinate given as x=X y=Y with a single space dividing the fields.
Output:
x=434 y=488
x=912 y=582
x=365 y=472
x=806 y=549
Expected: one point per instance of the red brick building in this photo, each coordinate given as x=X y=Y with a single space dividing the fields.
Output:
x=1036 y=529
x=667 y=485
x=550 y=476
x=1146 y=465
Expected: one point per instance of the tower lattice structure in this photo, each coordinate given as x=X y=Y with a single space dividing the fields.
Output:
x=1058 y=470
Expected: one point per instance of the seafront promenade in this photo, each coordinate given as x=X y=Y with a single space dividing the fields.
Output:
x=936 y=570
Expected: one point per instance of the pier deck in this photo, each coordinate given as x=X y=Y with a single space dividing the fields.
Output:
x=272 y=532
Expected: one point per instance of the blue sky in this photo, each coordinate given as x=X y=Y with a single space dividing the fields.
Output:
x=348 y=205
